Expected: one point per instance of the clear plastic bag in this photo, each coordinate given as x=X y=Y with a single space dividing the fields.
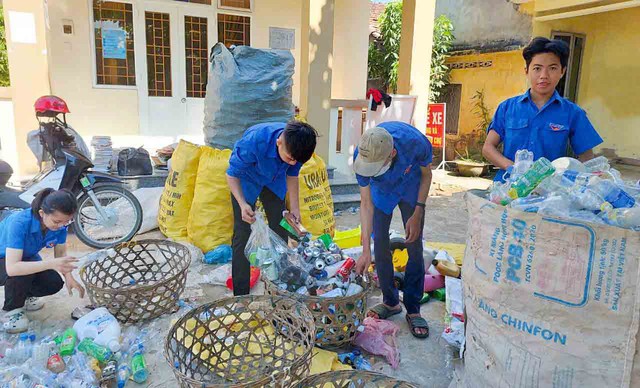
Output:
x=265 y=249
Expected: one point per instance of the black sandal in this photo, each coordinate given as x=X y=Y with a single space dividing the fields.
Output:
x=418 y=323
x=384 y=312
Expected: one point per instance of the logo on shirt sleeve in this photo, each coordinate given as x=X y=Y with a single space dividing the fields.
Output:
x=51 y=243
x=556 y=127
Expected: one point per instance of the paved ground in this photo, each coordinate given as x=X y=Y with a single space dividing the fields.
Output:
x=428 y=363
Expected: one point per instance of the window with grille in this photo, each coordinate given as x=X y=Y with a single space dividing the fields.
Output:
x=195 y=43
x=113 y=30
x=158 y=33
x=238 y=4
x=234 y=30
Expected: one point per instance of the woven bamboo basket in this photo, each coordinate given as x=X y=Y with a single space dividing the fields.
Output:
x=246 y=341
x=142 y=280
x=337 y=319
x=352 y=379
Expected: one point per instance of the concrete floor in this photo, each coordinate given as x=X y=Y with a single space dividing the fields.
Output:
x=428 y=363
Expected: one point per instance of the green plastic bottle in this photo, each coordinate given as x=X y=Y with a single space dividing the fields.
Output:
x=68 y=343
x=139 y=371
x=439 y=294
x=94 y=350
x=526 y=183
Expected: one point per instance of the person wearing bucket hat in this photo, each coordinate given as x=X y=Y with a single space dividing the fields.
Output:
x=393 y=167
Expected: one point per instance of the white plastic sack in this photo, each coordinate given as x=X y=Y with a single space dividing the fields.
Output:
x=149 y=198
x=549 y=302
x=246 y=86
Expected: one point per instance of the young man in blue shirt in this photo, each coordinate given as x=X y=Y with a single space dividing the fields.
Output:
x=265 y=164
x=540 y=120
x=393 y=168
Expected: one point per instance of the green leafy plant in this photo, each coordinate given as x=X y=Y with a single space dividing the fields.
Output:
x=4 y=57
x=384 y=55
x=474 y=140
x=442 y=43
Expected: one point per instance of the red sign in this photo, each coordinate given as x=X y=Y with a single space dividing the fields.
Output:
x=436 y=118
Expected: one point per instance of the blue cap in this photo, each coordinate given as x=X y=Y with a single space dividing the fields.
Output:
x=23 y=337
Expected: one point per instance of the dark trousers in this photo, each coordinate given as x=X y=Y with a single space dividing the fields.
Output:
x=18 y=288
x=240 y=267
x=414 y=274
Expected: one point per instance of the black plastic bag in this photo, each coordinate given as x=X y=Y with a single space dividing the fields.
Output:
x=134 y=161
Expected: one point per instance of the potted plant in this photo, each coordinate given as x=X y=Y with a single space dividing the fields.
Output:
x=470 y=161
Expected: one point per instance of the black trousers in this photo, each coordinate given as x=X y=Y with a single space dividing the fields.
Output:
x=240 y=267
x=18 y=288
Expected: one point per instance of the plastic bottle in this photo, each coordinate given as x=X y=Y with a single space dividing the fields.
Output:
x=124 y=371
x=499 y=194
x=100 y=326
x=139 y=371
x=80 y=364
x=529 y=204
x=571 y=178
x=525 y=184
x=68 y=342
x=590 y=200
x=566 y=163
x=613 y=194
x=628 y=218
x=553 y=185
x=24 y=348
x=598 y=164
x=41 y=353
x=523 y=162
x=94 y=350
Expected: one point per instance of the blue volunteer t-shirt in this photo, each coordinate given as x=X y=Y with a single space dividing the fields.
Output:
x=256 y=162
x=402 y=181
x=22 y=230
x=546 y=132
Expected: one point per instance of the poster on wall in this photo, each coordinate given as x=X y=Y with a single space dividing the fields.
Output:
x=282 y=38
x=114 y=43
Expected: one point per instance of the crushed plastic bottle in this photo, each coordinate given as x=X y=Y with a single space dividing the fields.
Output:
x=528 y=204
x=612 y=193
x=590 y=200
x=525 y=184
x=522 y=163
x=628 y=218
x=599 y=164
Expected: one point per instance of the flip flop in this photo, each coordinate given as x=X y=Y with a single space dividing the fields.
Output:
x=418 y=323
x=383 y=312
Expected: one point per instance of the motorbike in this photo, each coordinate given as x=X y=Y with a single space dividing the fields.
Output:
x=108 y=213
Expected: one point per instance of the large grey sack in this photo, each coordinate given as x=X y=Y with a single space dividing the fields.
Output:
x=246 y=86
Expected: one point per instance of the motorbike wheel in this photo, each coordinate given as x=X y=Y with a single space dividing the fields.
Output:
x=122 y=208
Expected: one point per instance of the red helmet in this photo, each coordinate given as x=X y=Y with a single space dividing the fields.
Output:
x=50 y=106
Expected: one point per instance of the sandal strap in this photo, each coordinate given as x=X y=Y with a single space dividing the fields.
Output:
x=383 y=312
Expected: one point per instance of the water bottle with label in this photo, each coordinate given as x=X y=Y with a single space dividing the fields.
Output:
x=525 y=184
x=612 y=193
